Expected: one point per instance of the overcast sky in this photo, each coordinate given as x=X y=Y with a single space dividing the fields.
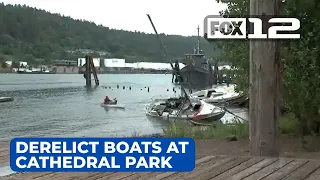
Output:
x=169 y=16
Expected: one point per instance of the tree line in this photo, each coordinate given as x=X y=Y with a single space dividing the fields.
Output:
x=300 y=61
x=34 y=35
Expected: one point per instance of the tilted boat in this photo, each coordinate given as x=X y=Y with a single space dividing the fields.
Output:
x=196 y=111
x=214 y=95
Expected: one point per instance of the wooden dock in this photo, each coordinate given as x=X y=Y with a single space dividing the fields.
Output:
x=207 y=167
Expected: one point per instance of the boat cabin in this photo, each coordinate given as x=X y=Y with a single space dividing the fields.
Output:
x=198 y=60
x=207 y=93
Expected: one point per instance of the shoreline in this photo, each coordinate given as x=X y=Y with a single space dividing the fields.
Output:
x=81 y=73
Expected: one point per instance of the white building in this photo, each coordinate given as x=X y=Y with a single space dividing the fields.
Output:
x=114 y=63
x=131 y=65
x=156 y=66
x=121 y=63
x=21 y=63
x=9 y=63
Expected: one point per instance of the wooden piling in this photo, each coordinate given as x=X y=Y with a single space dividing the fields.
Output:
x=264 y=86
x=88 y=72
x=90 y=69
x=215 y=72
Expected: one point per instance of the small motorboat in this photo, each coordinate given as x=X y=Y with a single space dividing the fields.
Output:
x=196 y=111
x=215 y=96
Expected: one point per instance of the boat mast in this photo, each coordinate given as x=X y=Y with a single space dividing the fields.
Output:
x=177 y=73
x=198 y=44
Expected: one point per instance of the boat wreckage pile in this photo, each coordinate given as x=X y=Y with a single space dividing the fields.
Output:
x=200 y=108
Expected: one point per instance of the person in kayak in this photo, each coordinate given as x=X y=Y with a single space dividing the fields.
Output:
x=108 y=101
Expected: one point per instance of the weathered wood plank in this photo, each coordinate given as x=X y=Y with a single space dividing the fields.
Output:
x=62 y=176
x=92 y=176
x=303 y=171
x=215 y=171
x=199 y=170
x=82 y=175
x=208 y=167
x=205 y=161
x=26 y=175
x=4 y=148
x=314 y=176
x=148 y=176
x=252 y=169
x=239 y=168
x=116 y=176
x=137 y=176
x=269 y=169
x=44 y=175
x=4 y=152
x=4 y=159
x=282 y=172
x=199 y=161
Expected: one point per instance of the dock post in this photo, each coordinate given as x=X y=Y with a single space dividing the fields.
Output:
x=264 y=101
x=88 y=71
x=215 y=72
x=94 y=71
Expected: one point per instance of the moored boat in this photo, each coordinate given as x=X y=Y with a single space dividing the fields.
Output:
x=215 y=96
x=196 y=111
x=196 y=67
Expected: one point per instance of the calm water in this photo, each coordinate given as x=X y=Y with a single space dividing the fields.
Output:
x=60 y=105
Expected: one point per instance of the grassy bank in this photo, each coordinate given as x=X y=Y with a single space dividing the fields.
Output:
x=287 y=125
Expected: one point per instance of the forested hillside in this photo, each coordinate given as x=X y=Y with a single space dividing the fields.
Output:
x=28 y=34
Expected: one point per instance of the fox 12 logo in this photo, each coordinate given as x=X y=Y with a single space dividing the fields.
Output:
x=253 y=27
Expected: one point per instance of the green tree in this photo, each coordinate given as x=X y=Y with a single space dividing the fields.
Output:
x=300 y=60
x=4 y=65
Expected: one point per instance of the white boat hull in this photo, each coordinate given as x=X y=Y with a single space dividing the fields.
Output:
x=207 y=113
x=223 y=98
x=216 y=96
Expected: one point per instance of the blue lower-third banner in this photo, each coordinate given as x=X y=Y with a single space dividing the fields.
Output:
x=102 y=154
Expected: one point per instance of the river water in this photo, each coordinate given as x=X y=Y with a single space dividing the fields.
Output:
x=60 y=105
